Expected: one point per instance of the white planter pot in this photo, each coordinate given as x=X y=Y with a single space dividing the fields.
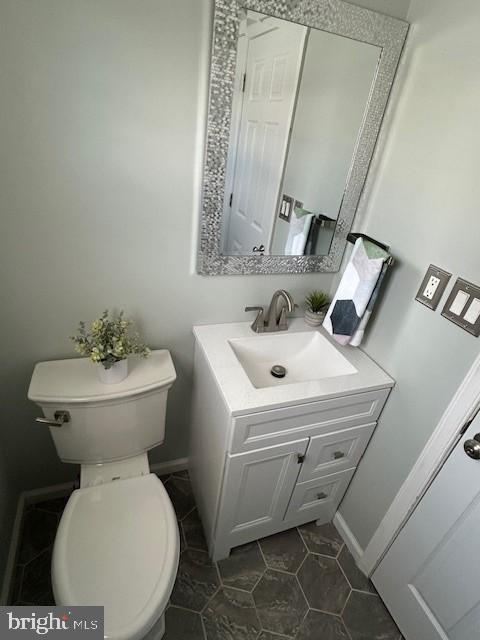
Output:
x=314 y=319
x=116 y=373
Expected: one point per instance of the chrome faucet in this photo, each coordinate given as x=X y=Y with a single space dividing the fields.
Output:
x=276 y=319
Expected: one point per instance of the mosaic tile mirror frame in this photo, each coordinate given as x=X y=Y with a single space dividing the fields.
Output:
x=330 y=16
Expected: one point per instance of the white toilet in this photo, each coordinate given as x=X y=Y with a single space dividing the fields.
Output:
x=117 y=544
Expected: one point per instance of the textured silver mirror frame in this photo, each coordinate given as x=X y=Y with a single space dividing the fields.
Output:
x=336 y=17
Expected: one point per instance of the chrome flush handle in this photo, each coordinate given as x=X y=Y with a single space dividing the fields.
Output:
x=61 y=417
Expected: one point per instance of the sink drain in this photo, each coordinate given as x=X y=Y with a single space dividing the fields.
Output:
x=278 y=371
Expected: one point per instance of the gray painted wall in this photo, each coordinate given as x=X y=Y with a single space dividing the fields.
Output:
x=425 y=204
x=101 y=125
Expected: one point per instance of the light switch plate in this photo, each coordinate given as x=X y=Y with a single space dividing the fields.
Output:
x=463 y=306
x=432 y=287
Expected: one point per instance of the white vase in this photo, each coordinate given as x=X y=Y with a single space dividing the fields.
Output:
x=116 y=373
x=314 y=319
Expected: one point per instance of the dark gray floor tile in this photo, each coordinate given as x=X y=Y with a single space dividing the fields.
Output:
x=354 y=575
x=39 y=530
x=183 y=544
x=197 y=580
x=16 y=585
x=280 y=603
x=36 y=584
x=181 y=624
x=231 y=615
x=366 y=618
x=266 y=635
x=180 y=492
x=243 y=568
x=323 y=583
x=284 y=551
x=193 y=530
x=322 y=626
x=324 y=539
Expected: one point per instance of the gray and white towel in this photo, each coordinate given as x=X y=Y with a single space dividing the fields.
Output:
x=298 y=229
x=357 y=292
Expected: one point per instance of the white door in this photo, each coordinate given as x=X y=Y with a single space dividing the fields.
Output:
x=430 y=577
x=258 y=487
x=272 y=72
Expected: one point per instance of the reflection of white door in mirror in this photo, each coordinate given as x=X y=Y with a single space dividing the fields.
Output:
x=272 y=66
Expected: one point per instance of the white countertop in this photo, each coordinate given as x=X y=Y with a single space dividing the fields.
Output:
x=242 y=397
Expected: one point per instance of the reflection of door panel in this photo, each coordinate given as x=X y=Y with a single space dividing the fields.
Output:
x=430 y=577
x=272 y=71
x=237 y=102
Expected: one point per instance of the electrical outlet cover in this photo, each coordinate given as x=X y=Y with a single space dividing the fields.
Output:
x=463 y=306
x=432 y=287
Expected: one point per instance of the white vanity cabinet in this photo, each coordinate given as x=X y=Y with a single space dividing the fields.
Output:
x=261 y=472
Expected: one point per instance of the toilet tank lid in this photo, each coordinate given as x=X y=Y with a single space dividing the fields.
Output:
x=76 y=381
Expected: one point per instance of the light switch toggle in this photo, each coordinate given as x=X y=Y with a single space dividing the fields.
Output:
x=459 y=302
x=473 y=311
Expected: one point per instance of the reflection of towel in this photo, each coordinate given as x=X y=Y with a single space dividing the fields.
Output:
x=357 y=292
x=299 y=227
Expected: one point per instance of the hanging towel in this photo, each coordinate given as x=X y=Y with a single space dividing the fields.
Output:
x=357 y=292
x=298 y=232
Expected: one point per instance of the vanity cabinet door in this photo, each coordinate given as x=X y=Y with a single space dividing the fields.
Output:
x=258 y=488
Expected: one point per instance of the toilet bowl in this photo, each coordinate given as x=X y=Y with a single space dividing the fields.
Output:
x=117 y=543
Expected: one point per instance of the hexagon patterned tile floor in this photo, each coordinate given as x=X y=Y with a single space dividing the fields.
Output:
x=301 y=583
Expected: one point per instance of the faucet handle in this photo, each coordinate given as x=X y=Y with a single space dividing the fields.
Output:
x=258 y=325
x=282 y=322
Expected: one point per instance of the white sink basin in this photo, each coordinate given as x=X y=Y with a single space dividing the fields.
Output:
x=305 y=355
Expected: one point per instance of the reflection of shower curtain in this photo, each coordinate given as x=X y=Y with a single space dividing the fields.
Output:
x=298 y=233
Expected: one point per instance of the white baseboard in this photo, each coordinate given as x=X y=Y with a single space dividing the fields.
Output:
x=347 y=536
x=56 y=491
x=164 y=468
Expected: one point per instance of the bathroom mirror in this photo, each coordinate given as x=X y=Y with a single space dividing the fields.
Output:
x=297 y=94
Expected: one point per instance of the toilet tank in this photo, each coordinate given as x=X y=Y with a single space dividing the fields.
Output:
x=107 y=421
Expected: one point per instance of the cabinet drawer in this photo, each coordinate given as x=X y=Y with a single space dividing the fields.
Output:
x=318 y=499
x=268 y=428
x=335 y=451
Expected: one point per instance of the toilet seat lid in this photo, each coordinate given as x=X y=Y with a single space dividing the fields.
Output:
x=117 y=546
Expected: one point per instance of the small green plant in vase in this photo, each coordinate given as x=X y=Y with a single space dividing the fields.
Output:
x=108 y=342
x=316 y=305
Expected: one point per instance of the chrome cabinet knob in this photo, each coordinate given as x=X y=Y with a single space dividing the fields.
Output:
x=321 y=495
x=472 y=447
x=300 y=458
x=338 y=454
